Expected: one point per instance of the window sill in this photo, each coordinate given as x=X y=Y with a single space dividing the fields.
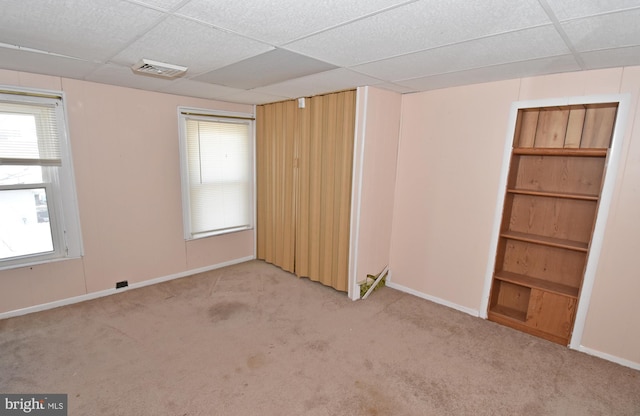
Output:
x=219 y=233
x=36 y=263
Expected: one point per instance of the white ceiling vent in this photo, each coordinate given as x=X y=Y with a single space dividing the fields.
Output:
x=158 y=69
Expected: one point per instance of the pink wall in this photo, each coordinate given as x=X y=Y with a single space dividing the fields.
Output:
x=379 y=124
x=127 y=169
x=449 y=160
x=449 y=164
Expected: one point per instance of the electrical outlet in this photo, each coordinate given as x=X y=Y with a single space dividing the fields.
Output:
x=120 y=285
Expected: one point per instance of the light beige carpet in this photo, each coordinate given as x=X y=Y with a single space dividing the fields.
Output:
x=251 y=339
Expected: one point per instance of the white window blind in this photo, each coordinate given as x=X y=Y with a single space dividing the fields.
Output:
x=29 y=134
x=217 y=174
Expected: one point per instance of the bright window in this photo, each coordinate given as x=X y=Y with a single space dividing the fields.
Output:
x=217 y=172
x=38 y=213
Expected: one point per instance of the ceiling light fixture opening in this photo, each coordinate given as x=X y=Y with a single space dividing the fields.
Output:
x=158 y=69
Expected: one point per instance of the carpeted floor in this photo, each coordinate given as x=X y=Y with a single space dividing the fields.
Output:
x=251 y=339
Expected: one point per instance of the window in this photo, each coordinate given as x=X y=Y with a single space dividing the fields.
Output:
x=217 y=172
x=38 y=212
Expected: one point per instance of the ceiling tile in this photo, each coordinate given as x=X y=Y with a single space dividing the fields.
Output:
x=571 y=9
x=87 y=29
x=264 y=69
x=184 y=42
x=509 y=47
x=277 y=22
x=329 y=81
x=164 y=5
x=605 y=31
x=199 y=89
x=39 y=63
x=542 y=66
x=254 y=97
x=395 y=87
x=608 y=58
x=418 y=26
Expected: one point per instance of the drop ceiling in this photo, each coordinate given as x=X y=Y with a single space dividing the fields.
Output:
x=260 y=51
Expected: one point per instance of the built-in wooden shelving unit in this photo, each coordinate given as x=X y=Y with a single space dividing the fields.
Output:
x=555 y=178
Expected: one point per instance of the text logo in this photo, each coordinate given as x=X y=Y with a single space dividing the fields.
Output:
x=33 y=404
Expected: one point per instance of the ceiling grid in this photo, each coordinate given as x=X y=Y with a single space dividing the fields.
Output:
x=255 y=52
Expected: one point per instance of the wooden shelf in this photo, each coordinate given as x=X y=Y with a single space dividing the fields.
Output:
x=565 y=195
x=552 y=151
x=511 y=313
x=546 y=241
x=532 y=282
x=496 y=314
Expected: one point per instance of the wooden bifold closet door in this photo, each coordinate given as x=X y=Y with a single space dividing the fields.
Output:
x=553 y=190
x=304 y=160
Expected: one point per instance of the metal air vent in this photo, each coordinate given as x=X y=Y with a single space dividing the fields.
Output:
x=158 y=69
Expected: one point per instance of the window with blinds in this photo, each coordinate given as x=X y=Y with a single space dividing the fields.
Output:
x=217 y=173
x=38 y=213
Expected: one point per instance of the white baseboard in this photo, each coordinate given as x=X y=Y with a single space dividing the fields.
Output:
x=609 y=357
x=434 y=299
x=473 y=312
x=107 y=292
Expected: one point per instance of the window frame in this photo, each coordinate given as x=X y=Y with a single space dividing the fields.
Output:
x=190 y=113
x=62 y=205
